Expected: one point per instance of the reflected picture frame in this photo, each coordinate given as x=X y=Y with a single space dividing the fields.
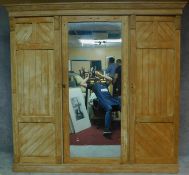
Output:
x=79 y=117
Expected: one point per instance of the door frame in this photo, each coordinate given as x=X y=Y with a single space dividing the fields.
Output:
x=124 y=155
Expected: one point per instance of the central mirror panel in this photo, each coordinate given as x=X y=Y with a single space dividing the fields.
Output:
x=95 y=88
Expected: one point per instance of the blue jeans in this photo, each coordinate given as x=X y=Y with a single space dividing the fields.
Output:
x=108 y=110
x=108 y=119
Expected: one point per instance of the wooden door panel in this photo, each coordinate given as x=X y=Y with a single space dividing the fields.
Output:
x=37 y=89
x=165 y=31
x=155 y=83
x=37 y=140
x=154 y=142
x=34 y=30
x=35 y=33
x=44 y=33
x=24 y=33
x=155 y=32
x=36 y=82
x=155 y=67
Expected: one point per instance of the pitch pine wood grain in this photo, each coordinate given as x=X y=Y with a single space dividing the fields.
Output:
x=132 y=71
x=151 y=54
x=36 y=70
x=125 y=91
x=99 y=168
x=66 y=128
x=97 y=8
x=155 y=109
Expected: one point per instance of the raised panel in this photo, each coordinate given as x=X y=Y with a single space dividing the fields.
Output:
x=155 y=84
x=24 y=33
x=154 y=142
x=155 y=32
x=145 y=32
x=37 y=140
x=36 y=82
x=44 y=32
x=34 y=32
x=165 y=31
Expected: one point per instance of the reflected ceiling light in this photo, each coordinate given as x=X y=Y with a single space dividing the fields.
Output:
x=99 y=42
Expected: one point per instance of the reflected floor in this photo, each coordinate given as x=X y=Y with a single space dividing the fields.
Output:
x=94 y=136
x=95 y=151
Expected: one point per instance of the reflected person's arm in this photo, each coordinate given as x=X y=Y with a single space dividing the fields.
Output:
x=103 y=76
x=84 y=82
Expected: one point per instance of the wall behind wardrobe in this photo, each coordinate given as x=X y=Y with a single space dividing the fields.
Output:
x=184 y=100
x=5 y=85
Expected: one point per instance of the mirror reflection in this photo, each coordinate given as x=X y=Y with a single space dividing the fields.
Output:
x=95 y=89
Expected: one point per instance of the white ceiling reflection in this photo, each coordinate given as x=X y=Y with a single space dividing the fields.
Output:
x=95 y=34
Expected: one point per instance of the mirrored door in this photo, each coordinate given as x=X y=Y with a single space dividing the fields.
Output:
x=95 y=57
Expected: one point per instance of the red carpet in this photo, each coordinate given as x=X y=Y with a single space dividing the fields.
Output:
x=94 y=136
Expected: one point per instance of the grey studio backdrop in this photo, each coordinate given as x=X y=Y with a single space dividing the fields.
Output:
x=6 y=144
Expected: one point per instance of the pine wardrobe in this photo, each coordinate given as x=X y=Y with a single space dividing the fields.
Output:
x=150 y=89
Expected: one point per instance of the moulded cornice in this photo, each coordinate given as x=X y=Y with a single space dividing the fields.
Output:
x=101 y=8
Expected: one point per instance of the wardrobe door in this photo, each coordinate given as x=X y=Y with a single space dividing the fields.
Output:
x=155 y=89
x=36 y=89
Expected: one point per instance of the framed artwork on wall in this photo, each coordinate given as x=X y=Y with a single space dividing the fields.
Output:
x=78 y=112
